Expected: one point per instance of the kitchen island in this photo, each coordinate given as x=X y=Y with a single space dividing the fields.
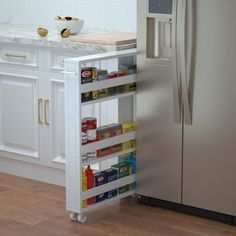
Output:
x=32 y=132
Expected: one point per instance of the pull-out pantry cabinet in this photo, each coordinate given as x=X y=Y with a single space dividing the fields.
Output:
x=76 y=195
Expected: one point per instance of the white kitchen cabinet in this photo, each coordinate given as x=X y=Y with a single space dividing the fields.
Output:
x=19 y=131
x=57 y=120
x=56 y=110
x=32 y=136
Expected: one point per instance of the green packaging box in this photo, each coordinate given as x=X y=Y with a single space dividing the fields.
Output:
x=123 y=169
x=124 y=189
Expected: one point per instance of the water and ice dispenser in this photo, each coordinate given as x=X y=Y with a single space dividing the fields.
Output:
x=159 y=29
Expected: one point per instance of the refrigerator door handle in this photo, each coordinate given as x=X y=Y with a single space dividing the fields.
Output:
x=177 y=77
x=176 y=94
x=186 y=45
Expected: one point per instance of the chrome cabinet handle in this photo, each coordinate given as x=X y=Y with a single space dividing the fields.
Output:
x=46 y=105
x=40 y=102
x=23 y=57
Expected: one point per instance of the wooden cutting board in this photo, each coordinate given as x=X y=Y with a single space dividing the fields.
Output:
x=109 y=38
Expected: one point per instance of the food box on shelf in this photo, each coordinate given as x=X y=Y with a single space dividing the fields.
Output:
x=88 y=75
x=128 y=145
x=103 y=133
x=129 y=158
x=129 y=87
x=129 y=127
x=115 y=130
x=123 y=169
x=111 y=91
x=116 y=148
x=86 y=97
x=103 y=152
x=126 y=128
x=124 y=189
x=101 y=197
x=109 y=131
x=102 y=74
x=95 y=94
x=112 y=193
x=111 y=176
x=84 y=188
x=100 y=178
x=128 y=69
x=102 y=93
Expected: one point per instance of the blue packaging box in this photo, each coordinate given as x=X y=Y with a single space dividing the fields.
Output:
x=112 y=193
x=131 y=158
x=101 y=197
x=111 y=175
x=100 y=178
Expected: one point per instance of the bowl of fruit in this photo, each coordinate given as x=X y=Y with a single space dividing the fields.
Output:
x=73 y=24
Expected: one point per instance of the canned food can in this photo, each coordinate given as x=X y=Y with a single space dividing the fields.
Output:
x=91 y=129
x=91 y=155
x=84 y=131
x=84 y=157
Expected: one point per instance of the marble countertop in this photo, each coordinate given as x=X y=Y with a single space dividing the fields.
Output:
x=27 y=35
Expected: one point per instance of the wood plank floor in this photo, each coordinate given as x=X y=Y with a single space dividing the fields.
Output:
x=30 y=208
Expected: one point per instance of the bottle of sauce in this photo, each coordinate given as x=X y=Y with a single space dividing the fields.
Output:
x=90 y=182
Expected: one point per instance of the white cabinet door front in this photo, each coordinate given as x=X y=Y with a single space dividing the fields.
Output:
x=58 y=121
x=18 y=116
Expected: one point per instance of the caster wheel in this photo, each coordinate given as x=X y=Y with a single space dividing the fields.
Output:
x=73 y=216
x=81 y=218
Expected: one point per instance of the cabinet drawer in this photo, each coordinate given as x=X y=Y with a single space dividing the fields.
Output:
x=58 y=58
x=24 y=56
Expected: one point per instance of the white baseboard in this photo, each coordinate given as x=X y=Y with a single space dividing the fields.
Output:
x=32 y=171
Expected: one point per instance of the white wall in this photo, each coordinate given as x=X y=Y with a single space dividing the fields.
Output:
x=116 y=15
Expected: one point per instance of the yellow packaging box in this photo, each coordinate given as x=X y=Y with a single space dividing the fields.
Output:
x=126 y=128
x=84 y=188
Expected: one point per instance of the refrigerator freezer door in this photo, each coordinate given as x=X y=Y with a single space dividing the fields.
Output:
x=209 y=157
x=159 y=153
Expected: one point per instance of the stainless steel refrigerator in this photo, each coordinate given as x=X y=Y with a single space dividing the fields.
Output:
x=186 y=102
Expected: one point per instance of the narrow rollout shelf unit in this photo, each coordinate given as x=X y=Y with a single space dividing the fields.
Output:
x=73 y=117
